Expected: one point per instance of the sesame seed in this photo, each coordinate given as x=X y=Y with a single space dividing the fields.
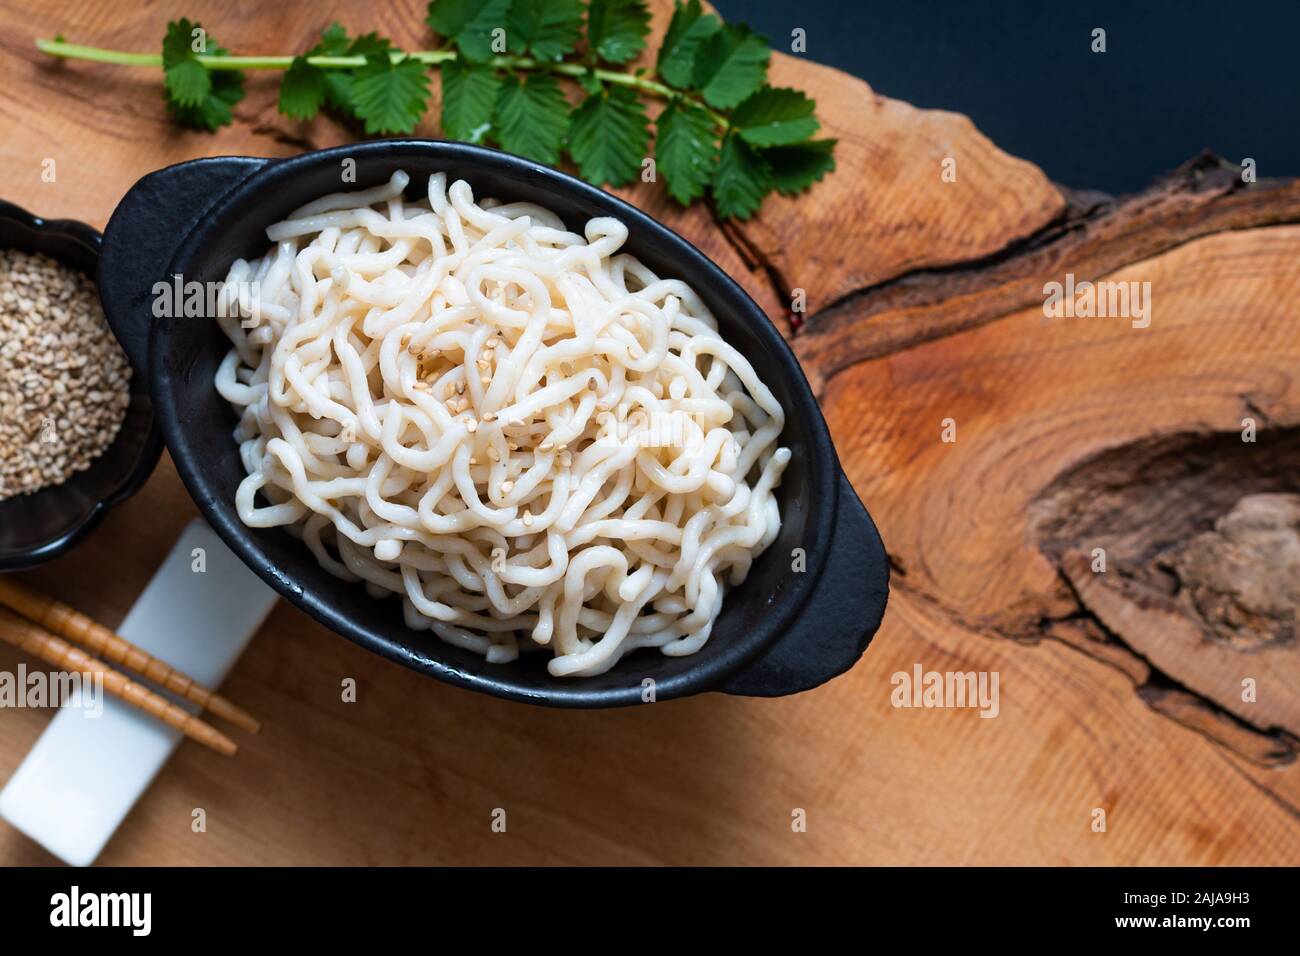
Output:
x=64 y=381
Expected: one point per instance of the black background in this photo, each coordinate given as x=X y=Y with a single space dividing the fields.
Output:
x=326 y=910
x=1176 y=78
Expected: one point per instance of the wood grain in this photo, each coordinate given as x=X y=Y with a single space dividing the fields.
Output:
x=924 y=304
x=1095 y=235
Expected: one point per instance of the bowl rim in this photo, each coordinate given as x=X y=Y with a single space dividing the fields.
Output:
x=824 y=469
x=150 y=450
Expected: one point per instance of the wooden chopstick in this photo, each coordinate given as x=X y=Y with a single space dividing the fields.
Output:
x=54 y=650
x=103 y=642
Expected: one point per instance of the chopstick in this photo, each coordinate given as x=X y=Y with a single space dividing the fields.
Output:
x=75 y=626
x=54 y=650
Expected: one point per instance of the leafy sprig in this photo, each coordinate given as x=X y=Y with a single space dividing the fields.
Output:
x=723 y=131
x=197 y=96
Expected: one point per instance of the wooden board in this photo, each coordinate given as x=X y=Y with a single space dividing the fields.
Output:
x=1119 y=692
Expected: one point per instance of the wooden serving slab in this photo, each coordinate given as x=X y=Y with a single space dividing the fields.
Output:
x=1128 y=692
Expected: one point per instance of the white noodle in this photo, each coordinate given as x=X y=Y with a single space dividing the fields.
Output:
x=530 y=437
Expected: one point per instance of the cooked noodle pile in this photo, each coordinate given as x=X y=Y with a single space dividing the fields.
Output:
x=531 y=438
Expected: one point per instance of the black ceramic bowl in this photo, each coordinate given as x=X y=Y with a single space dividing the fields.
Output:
x=812 y=601
x=40 y=526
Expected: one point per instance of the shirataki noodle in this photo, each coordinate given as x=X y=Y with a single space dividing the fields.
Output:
x=533 y=439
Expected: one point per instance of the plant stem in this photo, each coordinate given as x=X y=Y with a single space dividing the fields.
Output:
x=73 y=51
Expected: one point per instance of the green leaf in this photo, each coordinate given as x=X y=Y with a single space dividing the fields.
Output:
x=469 y=96
x=475 y=41
x=689 y=27
x=215 y=110
x=338 y=83
x=616 y=29
x=369 y=44
x=730 y=65
x=302 y=90
x=686 y=149
x=548 y=29
x=333 y=41
x=220 y=89
x=338 y=91
x=390 y=97
x=305 y=88
x=741 y=180
x=775 y=116
x=188 y=83
x=449 y=17
x=799 y=165
x=469 y=24
x=609 y=136
x=532 y=116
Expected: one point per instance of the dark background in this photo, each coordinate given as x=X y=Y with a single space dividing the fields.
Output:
x=1176 y=78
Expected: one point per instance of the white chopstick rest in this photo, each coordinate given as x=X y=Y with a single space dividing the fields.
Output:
x=84 y=775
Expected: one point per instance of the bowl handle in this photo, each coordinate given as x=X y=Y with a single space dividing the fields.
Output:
x=839 y=620
x=146 y=229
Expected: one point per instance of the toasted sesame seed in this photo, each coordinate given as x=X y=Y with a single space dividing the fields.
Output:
x=64 y=381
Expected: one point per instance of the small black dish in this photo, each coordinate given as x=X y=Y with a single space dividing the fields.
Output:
x=812 y=601
x=37 y=527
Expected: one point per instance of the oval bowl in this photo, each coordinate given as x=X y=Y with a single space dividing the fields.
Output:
x=812 y=600
x=37 y=527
